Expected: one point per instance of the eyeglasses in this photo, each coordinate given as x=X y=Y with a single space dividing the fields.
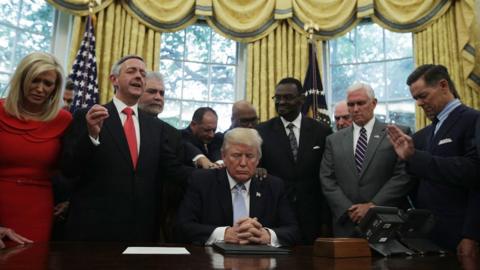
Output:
x=344 y=117
x=287 y=97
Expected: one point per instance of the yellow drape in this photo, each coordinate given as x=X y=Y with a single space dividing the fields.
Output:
x=282 y=53
x=437 y=45
x=117 y=34
x=275 y=35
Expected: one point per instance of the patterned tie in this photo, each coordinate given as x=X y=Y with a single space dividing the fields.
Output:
x=361 y=149
x=239 y=208
x=293 y=141
x=129 y=129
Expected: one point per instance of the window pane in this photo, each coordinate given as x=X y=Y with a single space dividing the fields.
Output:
x=171 y=112
x=397 y=73
x=188 y=107
x=172 y=71
x=223 y=83
x=38 y=17
x=398 y=45
x=224 y=112
x=223 y=50
x=342 y=78
x=9 y=11
x=381 y=112
x=6 y=43
x=373 y=75
x=369 y=42
x=195 y=81
x=402 y=113
x=198 y=42
x=342 y=50
x=29 y=42
x=172 y=45
x=205 y=75
x=3 y=84
x=365 y=59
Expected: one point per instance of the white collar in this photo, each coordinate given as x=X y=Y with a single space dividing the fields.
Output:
x=368 y=126
x=297 y=122
x=232 y=182
x=120 y=106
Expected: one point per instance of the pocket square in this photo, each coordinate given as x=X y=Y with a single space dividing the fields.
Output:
x=316 y=147
x=444 y=141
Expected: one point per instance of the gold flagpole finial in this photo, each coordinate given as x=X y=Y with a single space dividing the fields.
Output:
x=310 y=28
x=92 y=4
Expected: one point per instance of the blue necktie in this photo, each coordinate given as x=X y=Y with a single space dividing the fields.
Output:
x=361 y=150
x=239 y=208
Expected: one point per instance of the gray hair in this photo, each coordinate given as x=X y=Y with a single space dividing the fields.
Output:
x=118 y=65
x=154 y=75
x=358 y=86
x=246 y=136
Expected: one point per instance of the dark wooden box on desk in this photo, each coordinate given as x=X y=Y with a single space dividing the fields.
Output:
x=341 y=247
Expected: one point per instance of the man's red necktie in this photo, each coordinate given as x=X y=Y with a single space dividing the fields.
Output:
x=129 y=129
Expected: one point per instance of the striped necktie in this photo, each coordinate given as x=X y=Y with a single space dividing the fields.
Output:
x=293 y=141
x=361 y=149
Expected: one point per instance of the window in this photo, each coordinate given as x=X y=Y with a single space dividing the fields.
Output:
x=378 y=57
x=25 y=26
x=200 y=69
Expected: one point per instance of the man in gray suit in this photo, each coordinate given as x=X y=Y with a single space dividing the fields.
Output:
x=359 y=168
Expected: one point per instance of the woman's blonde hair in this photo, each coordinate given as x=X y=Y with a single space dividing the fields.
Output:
x=30 y=67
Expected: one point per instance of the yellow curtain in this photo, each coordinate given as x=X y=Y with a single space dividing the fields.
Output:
x=117 y=34
x=436 y=45
x=282 y=53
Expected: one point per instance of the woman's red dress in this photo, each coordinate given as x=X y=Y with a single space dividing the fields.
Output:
x=29 y=152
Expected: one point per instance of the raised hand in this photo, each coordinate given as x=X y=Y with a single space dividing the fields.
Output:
x=95 y=117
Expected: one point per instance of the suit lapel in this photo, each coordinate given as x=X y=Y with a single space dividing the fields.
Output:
x=451 y=120
x=305 y=141
x=283 y=138
x=377 y=136
x=114 y=126
x=224 y=195
x=256 y=205
x=347 y=144
x=145 y=127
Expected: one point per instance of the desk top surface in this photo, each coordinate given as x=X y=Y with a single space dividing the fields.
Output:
x=77 y=255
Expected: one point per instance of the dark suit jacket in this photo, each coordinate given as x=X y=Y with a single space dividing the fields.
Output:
x=443 y=167
x=208 y=204
x=302 y=177
x=194 y=146
x=112 y=201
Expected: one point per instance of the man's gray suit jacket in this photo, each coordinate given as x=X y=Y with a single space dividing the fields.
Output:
x=383 y=179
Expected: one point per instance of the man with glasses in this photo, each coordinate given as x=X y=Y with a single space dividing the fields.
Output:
x=342 y=116
x=360 y=168
x=292 y=149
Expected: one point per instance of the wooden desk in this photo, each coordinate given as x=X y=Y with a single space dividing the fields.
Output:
x=105 y=256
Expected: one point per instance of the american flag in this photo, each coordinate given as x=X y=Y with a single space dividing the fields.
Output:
x=84 y=71
x=315 y=103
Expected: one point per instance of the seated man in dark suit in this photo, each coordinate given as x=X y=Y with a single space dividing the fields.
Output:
x=202 y=144
x=231 y=205
x=444 y=157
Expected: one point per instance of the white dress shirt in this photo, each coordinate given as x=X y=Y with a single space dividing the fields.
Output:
x=219 y=233
x=356 y=131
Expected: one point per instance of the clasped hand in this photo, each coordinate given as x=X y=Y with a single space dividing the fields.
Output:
x=247 y=231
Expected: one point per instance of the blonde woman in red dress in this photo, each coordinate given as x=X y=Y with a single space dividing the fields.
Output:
x=31 y=126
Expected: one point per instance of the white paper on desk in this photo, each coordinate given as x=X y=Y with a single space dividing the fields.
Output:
x=157 y=250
